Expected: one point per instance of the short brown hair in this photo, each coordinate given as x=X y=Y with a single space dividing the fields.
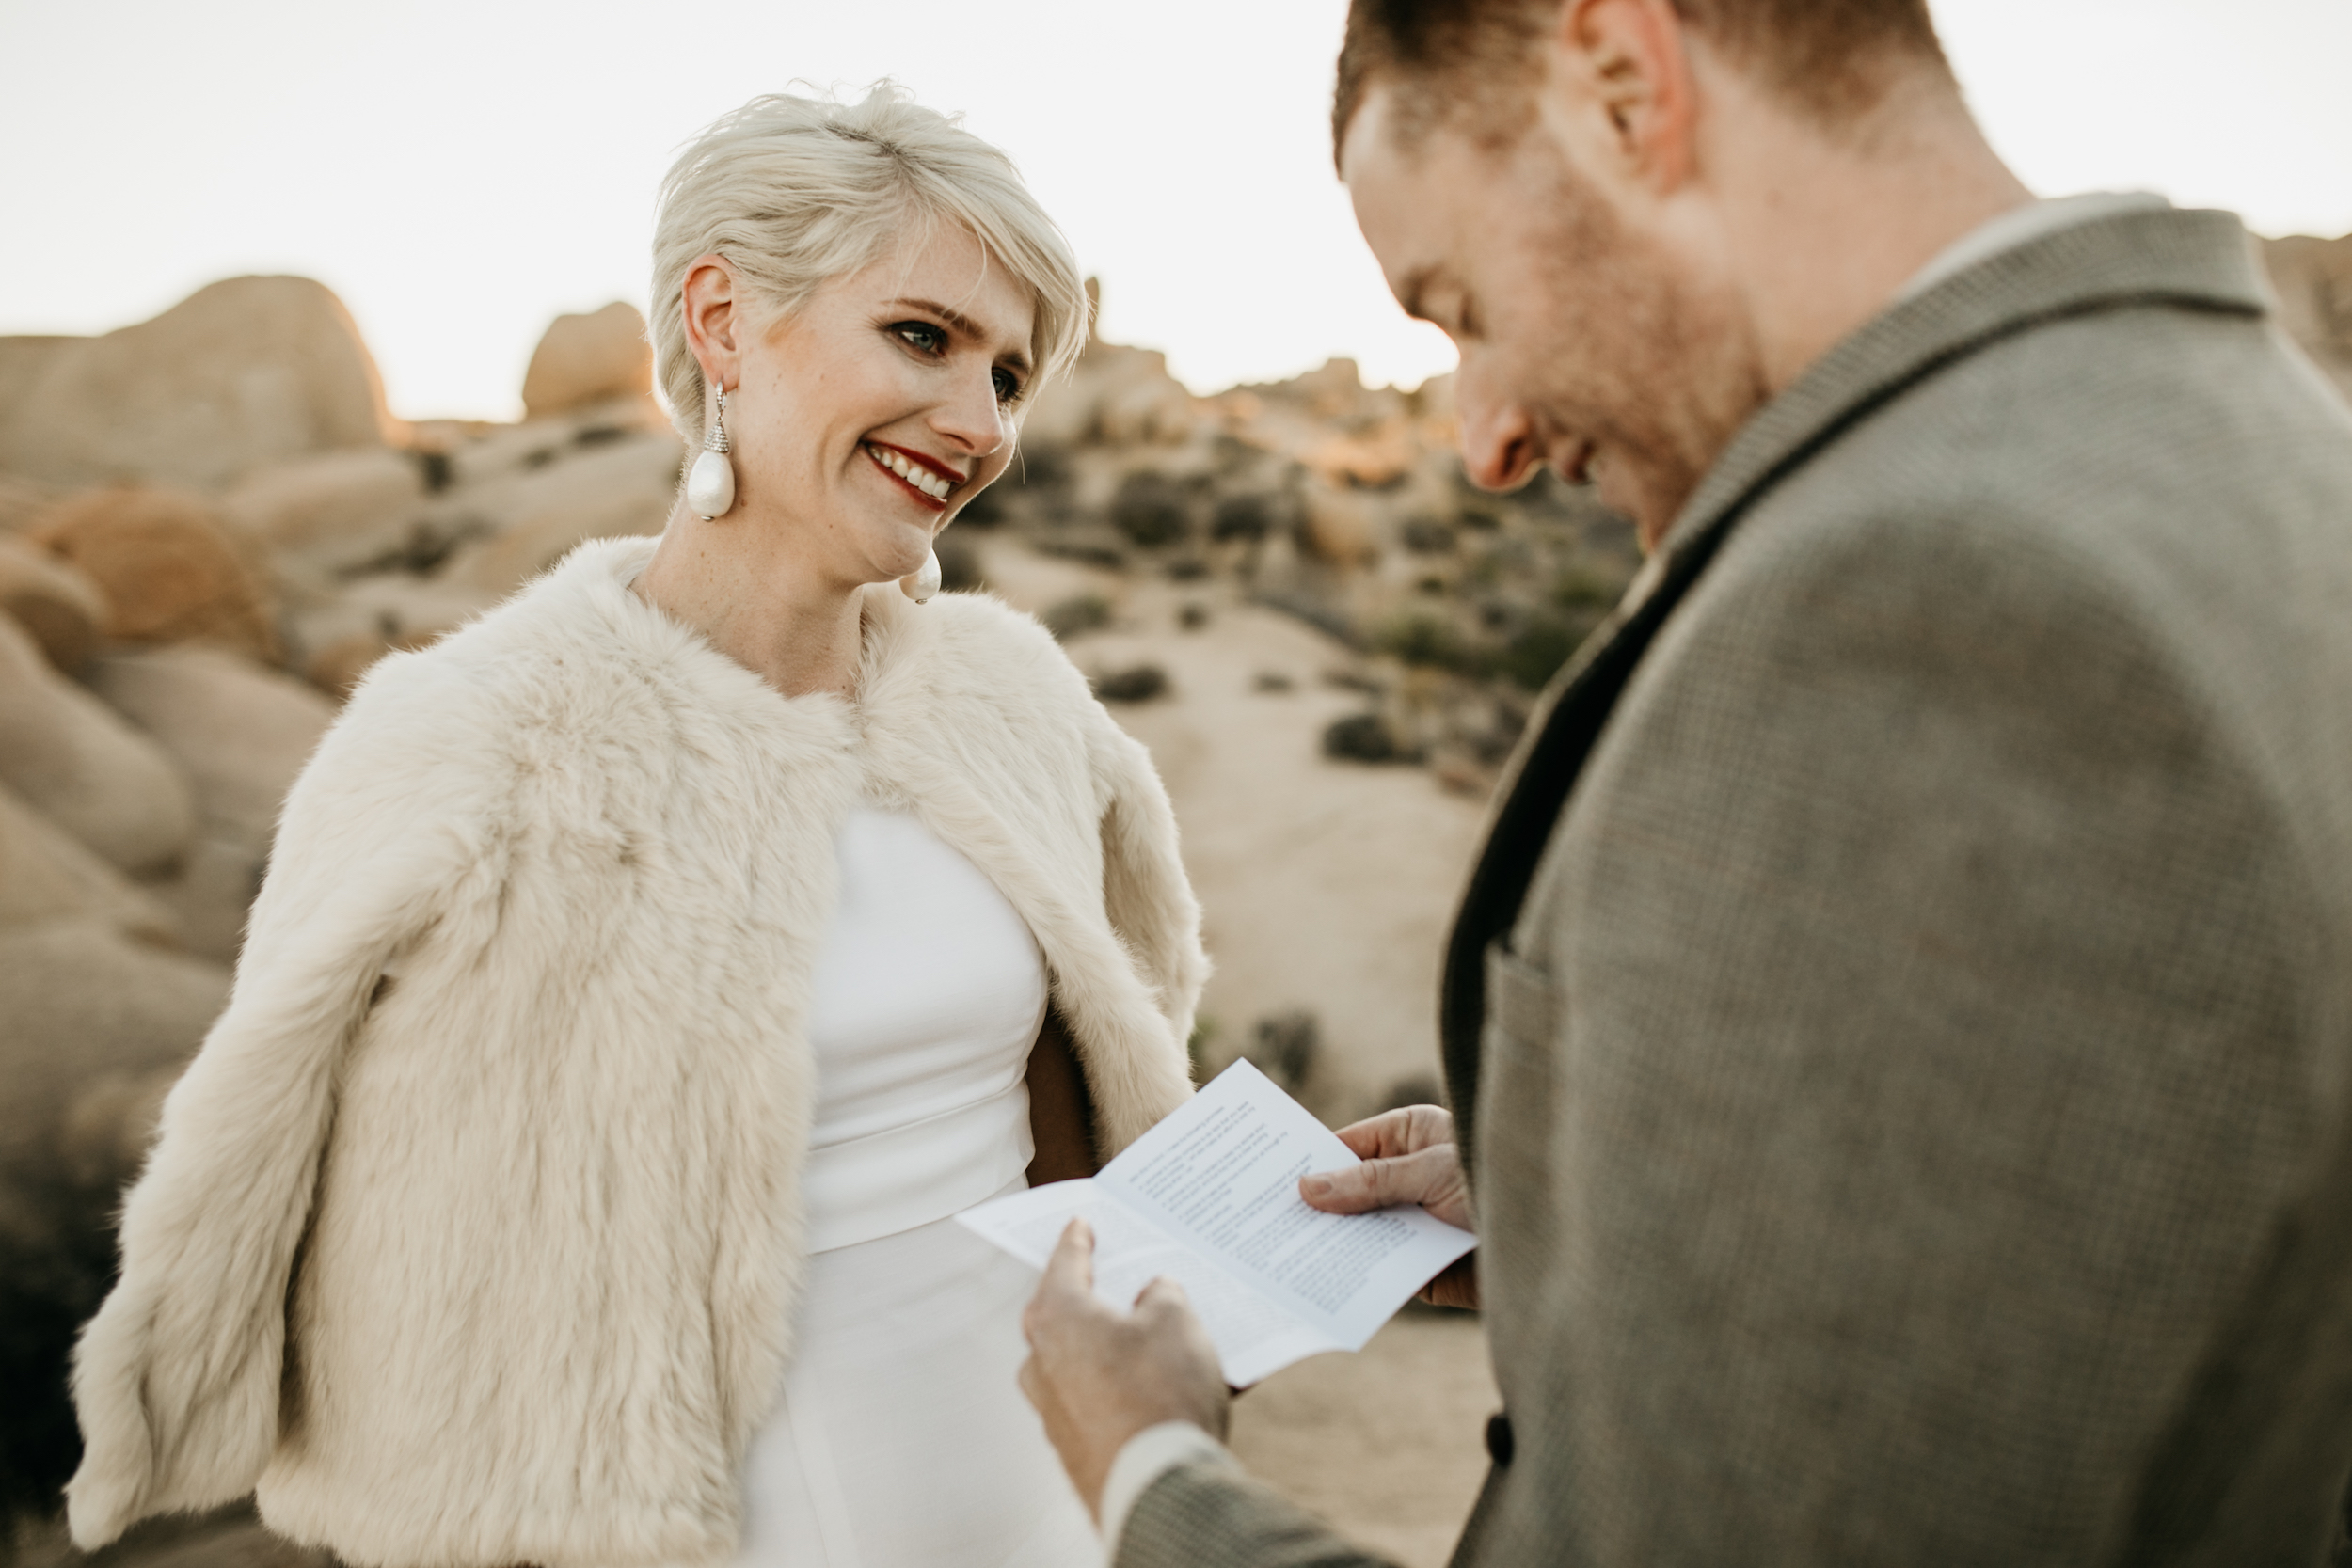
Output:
x=1459 y=58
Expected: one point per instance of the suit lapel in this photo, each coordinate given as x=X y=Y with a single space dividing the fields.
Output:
x=2189 y=261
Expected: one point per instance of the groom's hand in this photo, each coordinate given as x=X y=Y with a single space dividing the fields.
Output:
x=1098 y=1375
x=1408 y=1157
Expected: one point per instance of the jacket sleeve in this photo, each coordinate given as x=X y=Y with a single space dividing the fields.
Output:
x=177 y=1378
x=1933 y=1075
x=1200 y=1513
x=1146 y=895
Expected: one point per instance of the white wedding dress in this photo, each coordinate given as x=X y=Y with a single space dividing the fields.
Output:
x=901 y=1439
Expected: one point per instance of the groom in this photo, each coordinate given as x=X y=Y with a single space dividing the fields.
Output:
x=1902 y=1022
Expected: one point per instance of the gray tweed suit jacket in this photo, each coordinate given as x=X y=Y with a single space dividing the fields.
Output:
x=1904 y=1016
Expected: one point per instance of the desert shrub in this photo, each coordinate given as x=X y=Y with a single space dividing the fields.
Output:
x=1093 y=550
x=1419 y=1088
x=1197 y=1045
x=1150 y=510
x=57 y=1264
x=1429 y=640
x=959 y=564
x=1287 y=1048
x=1037 y=467
x=1365 y=738
x=1535 y=653
x=1427 y=535
x=985 y=510
x=1578 y=588
x=1140 y=684
x=1085 y=613
x=1247 y=517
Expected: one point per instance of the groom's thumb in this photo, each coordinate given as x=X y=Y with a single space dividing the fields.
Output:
x=1372 y=1184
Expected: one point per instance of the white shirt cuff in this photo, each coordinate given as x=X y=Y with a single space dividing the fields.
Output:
x=1149 y=1455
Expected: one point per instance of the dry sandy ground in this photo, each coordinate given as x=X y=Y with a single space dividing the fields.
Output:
x=1324 y=885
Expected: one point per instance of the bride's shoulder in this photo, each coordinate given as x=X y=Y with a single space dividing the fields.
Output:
x=575 y=624
x=978 y=613
x=555 y=651
x=980 y=633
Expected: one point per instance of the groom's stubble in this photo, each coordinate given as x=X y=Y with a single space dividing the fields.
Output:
x=1576 y=331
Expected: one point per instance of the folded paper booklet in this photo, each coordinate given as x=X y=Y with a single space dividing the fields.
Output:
x=1209 y=1197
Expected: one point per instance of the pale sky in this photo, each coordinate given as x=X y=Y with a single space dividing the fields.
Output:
x=460 y=170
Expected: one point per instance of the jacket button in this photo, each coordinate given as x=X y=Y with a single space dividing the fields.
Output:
x=1498 y=1443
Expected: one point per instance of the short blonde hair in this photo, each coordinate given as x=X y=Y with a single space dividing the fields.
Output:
x=795 y=191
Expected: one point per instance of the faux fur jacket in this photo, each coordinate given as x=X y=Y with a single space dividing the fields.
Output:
x=470 y=1236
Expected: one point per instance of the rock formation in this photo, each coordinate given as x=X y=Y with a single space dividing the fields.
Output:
x=247 y=372
x=239 y=733
x=48 y=877
x=332 y=511
x=86 y=768
x=589 y=359
x=2315 y=282
x=56 y=604
x=167 y=567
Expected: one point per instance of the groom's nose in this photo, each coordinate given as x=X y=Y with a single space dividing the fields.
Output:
x=1499 y=446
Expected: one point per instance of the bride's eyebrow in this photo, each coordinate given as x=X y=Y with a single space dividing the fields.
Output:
x=964 y=325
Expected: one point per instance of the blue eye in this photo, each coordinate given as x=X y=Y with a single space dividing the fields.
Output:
x=1008 y=387
x=923 y=336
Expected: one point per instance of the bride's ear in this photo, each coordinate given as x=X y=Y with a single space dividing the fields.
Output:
x=715 y=319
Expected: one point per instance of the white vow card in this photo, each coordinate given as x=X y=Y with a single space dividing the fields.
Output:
x=1209 y=1199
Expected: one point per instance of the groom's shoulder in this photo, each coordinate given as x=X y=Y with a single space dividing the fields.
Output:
x=2185 y=468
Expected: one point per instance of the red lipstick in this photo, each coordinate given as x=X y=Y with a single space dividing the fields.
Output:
x=929 y=467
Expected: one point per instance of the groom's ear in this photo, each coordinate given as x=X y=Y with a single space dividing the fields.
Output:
x=1619 y=95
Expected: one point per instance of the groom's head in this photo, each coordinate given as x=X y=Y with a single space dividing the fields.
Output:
x=1593 y=197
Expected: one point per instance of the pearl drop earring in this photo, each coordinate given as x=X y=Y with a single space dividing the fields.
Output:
x=926 y=580
x=710 y=483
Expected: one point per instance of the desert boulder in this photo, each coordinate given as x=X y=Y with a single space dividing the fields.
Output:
x=241 y=733
x=58 y=605
x=590 y=358
x=166 y=566
x=333 y=510
x=86 y=1005
x=341 y=636
x=244 y=371
x=623 y=485
x=48 y=876
x=2315 y=282
x=79 y=764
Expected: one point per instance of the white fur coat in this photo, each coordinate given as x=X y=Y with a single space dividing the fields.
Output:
x=470 y=1237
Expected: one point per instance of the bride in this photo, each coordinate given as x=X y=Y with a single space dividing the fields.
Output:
x=648 y=972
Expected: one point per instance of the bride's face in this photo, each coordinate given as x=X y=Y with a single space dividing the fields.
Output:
x=865 y=420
